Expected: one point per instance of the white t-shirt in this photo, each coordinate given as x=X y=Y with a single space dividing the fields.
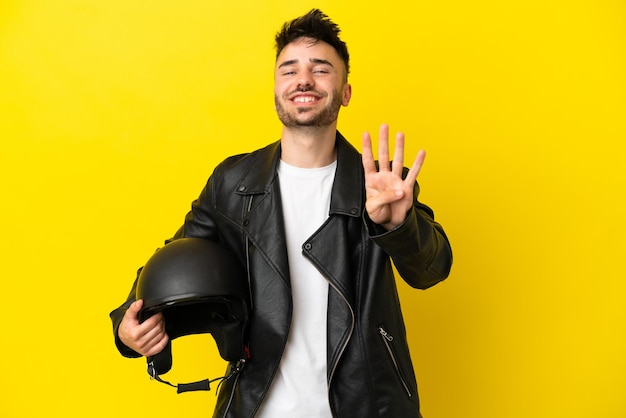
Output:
x=300 y=387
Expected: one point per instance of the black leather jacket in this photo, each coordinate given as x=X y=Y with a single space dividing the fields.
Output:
x=369 y=367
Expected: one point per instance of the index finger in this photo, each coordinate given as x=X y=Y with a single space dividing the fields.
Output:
x=416 y=167
x=368 y=157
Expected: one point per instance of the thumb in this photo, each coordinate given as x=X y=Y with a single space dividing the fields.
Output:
x=389 y=196
x=134 y=308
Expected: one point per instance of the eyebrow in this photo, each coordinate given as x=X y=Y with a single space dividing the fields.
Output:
x=311 y=60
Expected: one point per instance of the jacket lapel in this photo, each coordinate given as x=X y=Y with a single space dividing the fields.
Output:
x=332 y=249
x=263 y=216
x=345 y=221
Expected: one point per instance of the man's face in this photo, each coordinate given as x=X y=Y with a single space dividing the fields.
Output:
x=309 y=86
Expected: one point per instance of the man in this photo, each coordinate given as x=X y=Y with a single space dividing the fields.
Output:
x=316 y=225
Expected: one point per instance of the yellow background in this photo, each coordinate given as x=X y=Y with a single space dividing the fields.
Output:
x=113 y=114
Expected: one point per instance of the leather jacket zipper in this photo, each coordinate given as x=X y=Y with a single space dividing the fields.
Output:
x=387 y=339
x=343 y=347
x=238 y=374
x=232 y=393
x=345 y=344
x=333 y=368
x=248 y=259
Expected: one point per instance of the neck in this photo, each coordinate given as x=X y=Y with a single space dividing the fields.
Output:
x=309 y=147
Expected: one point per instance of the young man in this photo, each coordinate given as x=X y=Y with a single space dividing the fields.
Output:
x=317 y=225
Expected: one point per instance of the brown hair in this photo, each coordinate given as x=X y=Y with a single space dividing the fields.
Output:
x=315 y=25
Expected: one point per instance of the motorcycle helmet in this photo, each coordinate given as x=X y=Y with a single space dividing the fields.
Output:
x=199 y=287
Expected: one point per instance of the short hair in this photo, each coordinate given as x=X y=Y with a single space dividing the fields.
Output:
x=315 y=25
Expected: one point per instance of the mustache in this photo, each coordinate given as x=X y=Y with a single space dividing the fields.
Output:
x=305 y=89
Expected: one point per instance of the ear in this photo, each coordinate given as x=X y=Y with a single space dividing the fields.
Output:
x=346 y=94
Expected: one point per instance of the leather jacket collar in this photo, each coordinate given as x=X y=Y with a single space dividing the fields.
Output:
x=348 y=189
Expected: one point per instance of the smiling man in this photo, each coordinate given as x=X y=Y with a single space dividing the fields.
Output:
x=310 y=82
x=309 y=89
x=317 y=226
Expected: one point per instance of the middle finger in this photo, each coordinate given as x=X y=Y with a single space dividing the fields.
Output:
x=383 y=148
x=398 y=156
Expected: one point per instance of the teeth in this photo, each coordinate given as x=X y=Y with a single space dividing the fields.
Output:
x=304 y=99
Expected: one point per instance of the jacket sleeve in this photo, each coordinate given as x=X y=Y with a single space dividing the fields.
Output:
x=419 y=248
x=198 y=223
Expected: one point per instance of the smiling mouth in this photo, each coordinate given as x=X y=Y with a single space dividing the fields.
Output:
x=305 y=99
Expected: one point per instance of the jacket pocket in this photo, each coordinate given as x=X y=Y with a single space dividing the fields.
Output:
x=387 y=340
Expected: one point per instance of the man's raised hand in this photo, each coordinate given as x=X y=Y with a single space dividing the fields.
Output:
x=388 y=196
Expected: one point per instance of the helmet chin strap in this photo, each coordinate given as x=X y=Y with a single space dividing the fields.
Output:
x=205 y=384
x=235 y=369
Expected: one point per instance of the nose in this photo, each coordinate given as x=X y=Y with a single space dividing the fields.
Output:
x=305 y=81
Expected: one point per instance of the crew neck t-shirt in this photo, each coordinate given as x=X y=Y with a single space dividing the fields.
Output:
x=300 y=387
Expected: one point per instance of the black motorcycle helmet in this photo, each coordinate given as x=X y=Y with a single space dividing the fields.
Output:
x=200 y=287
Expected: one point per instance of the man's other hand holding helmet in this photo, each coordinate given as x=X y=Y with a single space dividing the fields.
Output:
x=147 y=338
